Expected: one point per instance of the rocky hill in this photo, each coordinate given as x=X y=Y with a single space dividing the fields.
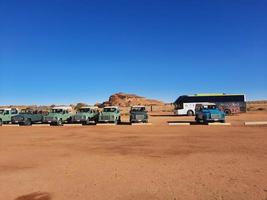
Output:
x=125 y=100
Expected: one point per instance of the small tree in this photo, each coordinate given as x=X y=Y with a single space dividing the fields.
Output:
x=79 y=105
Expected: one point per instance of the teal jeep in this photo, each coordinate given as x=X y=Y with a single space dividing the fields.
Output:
x=6 y=114
x=86 y=115
x=209 y=112
x=110 y=114
x=58 y=116
x=27 y=117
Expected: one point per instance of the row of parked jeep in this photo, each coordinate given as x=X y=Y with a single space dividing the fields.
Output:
x=60 y=115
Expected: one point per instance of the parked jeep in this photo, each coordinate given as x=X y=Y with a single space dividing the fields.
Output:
x=6 y=114
x=110 y=114
x=58 y=116
x=138 y=114
x=209 y=113
x=86 y=115
x=27 y=117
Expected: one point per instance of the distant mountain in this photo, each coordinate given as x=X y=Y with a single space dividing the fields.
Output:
x=125 y=100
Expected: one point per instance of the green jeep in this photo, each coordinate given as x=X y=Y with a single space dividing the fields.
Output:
x=110 y=114
x=6 y=114
x=86 y=115
x=58 y=116
x=138 y=114
x=27 y=117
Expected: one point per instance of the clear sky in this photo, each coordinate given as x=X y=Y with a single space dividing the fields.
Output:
x=69 y=51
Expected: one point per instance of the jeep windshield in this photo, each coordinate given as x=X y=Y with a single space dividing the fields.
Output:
x=138 y=109
x=109 y=109
x=84 y=110
x=26 y=112
x=2 y=112
x=57 y=111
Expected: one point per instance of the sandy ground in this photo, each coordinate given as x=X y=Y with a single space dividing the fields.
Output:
x=135 y=162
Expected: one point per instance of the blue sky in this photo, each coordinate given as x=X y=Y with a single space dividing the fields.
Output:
x=69 y=51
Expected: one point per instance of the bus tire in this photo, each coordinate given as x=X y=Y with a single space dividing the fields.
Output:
x=227 y=112
x=190 y=113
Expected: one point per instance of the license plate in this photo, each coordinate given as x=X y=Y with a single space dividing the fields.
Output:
x=49 y=121
x=216 y=119
x=78 y=120
x=16 y=121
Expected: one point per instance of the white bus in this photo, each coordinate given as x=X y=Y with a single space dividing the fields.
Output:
x=229 y=103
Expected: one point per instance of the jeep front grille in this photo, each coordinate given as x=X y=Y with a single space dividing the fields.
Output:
x=17 y=118
x=106 y=118
x=215 y=116
x=139 y=117
x=49 y=118
x=78 y=117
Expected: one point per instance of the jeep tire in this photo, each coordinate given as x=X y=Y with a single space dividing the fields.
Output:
x=28 y=122
x=59 y=122
x=96 y=121
x=69 y=120
x=1 y=122
x=87 y=122
x=116 y=121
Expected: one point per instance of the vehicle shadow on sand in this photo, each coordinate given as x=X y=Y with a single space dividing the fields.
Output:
x=183 y=121
x=165 y=115
x=35 y=196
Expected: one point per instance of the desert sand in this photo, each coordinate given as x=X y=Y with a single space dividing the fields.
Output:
x=136 y=162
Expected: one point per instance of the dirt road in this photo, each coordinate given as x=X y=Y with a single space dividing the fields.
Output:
x=134 y=162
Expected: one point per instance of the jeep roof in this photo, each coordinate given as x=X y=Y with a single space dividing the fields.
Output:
x=112 y=107
x=62 y=107
x=91 y=107
x=7 y=108
x=137 y=106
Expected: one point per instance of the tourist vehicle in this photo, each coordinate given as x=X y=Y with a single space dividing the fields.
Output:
x=110 y=114
x=27 y=117
x=229 y=103
x=6 y=114
x=209 y=112
x=86 y=115
x=138 y=114
x=59 y=115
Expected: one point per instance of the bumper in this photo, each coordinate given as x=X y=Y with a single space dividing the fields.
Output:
x=105 y=120
x=138 y=120
x=78 y=120
x=215 y=119
x=49 y=121
x=17 y=121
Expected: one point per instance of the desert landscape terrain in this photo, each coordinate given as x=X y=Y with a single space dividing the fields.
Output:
x=156 y=161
